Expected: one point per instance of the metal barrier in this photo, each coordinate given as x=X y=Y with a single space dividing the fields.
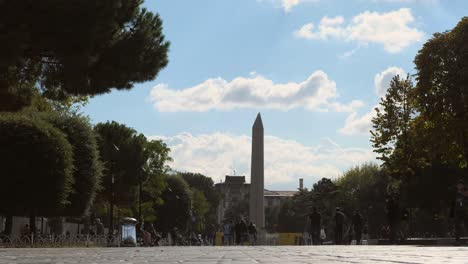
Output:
x=58 y=241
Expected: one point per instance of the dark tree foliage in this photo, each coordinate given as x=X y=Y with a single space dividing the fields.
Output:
x=153 y=182
x=122 y=151
x=442 y=93
x=175 y=211
x=17 y=84
x=79 y=47
x=88 y=167
x=37 y=167
x=204 y=184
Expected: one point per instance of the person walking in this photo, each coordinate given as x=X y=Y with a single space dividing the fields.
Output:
x=339 y=222
x=357 y=226
x=253 y=233
x=315 y=222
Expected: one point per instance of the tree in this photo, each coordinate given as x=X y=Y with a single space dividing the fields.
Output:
x=175 y=211
x=88 y=167
x=364 y=188
x=442 y=94
x=200 y=210
x=153 y=177
x=37 y=167
x=116 y=45
x=392 y=124
x=122 y=151
x=205 y=185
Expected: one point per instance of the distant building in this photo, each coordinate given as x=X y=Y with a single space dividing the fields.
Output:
x=234 y=190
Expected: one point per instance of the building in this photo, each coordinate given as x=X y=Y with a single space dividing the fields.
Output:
x=235 y=190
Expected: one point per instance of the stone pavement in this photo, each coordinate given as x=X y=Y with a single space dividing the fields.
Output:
x=238 y=255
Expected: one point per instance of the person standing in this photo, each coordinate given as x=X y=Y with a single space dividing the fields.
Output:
x=227 y=232
x=99 y=227
x=237 y=231
x=244 y=232
x=458 y=210
x=357 y=226
x=315 y=223
x=394 y=217
x=339 y=222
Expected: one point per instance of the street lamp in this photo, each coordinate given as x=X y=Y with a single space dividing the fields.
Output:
x=112 y=202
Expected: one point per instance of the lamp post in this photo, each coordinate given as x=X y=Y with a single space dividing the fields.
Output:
x=140 y=190
x=112 y=202
x=111 y=214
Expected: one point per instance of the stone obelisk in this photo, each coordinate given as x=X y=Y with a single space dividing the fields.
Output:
x=257 y=211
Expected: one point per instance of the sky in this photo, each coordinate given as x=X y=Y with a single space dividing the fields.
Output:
x=314 y=69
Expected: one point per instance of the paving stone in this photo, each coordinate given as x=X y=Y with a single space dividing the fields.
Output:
x=237 y=255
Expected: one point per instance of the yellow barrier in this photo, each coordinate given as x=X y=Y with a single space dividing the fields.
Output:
x=284 y=239
x=219 y=239
x=287 y=239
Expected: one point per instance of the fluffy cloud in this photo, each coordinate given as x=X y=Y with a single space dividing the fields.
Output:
x=358 y=125
x=317 y=92
x=286 y=161
x=382 y=80
x=408 y=1
x=393 y=29
x=287 y=5
x=361 y=125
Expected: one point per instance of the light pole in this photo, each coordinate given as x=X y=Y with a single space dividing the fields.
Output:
x=111 y=214
x=140 y=189
x=112 y=202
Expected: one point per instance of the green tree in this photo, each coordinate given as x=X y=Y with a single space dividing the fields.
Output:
x=364 y=188
x=122 y=151
x=115 y=45
x=200 y=208
x=88 y=167
x=175 y=211
x=442 y=94
x=391 y=126
x=37 y=167
x=204 y=184
x=153 y=177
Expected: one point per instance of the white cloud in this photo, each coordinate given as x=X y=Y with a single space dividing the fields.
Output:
x=382 y=80
x=408 y=1
x=393 y=29
x=287 y=5
x=361 y=125
x=317 y=93
x=358 y=125
x=215 y=155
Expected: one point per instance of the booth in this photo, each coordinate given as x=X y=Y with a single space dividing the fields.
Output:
x=128 y=236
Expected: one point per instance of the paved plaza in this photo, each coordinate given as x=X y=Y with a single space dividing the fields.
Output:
x=238 y=255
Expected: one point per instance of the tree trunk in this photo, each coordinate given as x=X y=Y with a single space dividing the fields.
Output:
x=8 y=225
x=32 y=222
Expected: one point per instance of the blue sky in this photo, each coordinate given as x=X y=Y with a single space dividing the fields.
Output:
x=314 y=69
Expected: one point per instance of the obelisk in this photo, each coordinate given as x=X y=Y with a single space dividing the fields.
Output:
x=257 y=211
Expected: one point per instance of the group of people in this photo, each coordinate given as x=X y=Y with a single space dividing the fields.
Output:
x=342 y=236
x=239 y=233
